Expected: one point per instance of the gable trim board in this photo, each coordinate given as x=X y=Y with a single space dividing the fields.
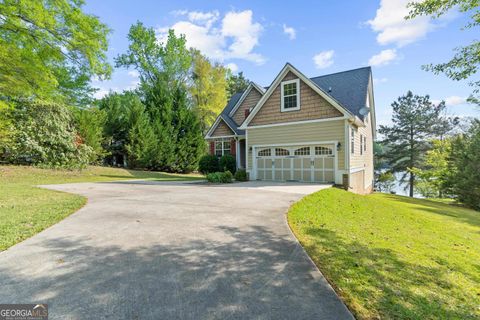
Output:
x=289 y=68
x=214 y=127
x=244 y=95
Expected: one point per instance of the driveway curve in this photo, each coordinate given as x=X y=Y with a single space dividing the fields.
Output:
x=146 y=250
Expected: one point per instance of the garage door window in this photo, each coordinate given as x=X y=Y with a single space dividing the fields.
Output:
x=281 y=152
x=265 y=153
x=305 y=151
x=321 y=151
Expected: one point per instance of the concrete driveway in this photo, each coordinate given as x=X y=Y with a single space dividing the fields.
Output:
x=150 y=250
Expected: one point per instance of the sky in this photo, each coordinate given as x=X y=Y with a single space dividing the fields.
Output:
x=317 y=37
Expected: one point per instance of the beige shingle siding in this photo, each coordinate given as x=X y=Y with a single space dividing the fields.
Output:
x=312 y=106
x=222 y=130
x=364 y=160
x=249 y=102
x=298 y=133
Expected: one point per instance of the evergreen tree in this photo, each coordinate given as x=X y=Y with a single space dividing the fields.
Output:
x=414 y=123
x=236 y=83
x=141 y=139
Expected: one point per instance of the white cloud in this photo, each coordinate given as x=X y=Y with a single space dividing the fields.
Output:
x=383 y=58
x=102 y=92
x=232 y=66
x=234 y=37
x=133 y=73
x=391 y=26
x=323 y=59
x=290 y=32
x=379 y=80
x=452 y=101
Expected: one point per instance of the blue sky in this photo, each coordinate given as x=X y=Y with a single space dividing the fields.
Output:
x=259 y=37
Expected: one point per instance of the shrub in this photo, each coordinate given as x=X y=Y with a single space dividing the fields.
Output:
x=208 y=164
x=241 y=175
x=220 y=177
x=228 y=163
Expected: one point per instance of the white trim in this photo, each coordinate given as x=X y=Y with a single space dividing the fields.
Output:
x=346 y=147
x=246 y=151
x=220 y=137
x=244 y=96
x=358 y=169
x=282 y=95
x=295 y=144
x=296 y=122
x=288 y=67
x=214 y=127
x=237 y=152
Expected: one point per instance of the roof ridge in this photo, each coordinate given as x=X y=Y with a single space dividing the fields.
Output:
x=330 y=74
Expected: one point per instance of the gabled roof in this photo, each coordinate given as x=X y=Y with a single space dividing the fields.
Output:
x=349 y=88
x=346 y=90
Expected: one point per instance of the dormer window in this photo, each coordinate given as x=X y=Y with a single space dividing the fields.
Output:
x=290 y=95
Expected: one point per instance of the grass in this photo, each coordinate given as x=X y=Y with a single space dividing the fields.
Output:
x=26 y=209
x=393 y=257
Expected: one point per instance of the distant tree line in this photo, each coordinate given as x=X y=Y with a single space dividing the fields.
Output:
x=49 y=53
x=435 y=155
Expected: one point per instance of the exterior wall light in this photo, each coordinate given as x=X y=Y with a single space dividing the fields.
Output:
x=339 y=146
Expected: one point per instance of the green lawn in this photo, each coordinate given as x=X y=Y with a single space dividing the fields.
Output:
x=392 y=257
x=26 y=210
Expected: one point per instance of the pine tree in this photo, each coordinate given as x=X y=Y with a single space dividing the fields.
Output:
x=415 y=122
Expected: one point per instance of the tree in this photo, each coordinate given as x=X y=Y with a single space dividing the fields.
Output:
x=384 y=181
x=431 y=180
x=50 y=49
x=164 y=70
x=45 y=136
x=463 y=168
x=90 y=125
x=236 y=83
x=208 y=89
x=414 y=124
x=466 y=61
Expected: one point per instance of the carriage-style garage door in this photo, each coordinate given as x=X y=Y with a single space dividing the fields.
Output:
x=310 y=163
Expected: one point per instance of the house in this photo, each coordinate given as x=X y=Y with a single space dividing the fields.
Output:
x=317 y=129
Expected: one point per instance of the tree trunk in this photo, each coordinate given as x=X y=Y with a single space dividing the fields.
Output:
x=412 y=180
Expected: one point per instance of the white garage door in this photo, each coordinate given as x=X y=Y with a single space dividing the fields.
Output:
x=314 y=163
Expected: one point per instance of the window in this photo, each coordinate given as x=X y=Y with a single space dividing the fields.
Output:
x=352 y=140
x=290 y=95
x=265 y=153
x=281 y=152
x=222 y=147
x=319 y=151
x=361 y=144
x=305 y=151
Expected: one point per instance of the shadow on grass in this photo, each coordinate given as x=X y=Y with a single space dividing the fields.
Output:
x=460 y=213
x=255 y=274
x=388 y=287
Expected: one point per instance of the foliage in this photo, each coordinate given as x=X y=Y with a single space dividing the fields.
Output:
x=228 y=163
x=241 y=175
x=164 y=76
x=208 y=89
x=208 y=164
x=466 y=61
x=220 y=177
x=45 y=135
x=384 y=181
x=431 y=179
x=415 y=121
x=393 y=257
x=50 y=49
x=26 y=209
x=463 y=167
x=89 y=124
x=236 y=83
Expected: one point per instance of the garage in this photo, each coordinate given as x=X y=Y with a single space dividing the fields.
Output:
x=305 y=163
